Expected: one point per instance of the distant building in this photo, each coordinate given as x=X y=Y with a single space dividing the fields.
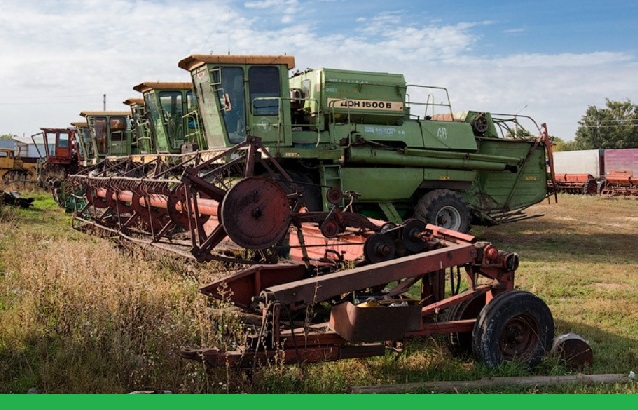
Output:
x=24 y=147
x=11 y=144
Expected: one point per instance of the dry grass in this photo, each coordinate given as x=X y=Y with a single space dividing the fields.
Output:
x=79 y=314
x=581 y=257
x=82 y=315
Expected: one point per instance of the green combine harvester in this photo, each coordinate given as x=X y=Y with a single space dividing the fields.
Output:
x=360 y=132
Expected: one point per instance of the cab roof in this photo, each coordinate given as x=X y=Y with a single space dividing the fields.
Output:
x=159 y=85
x=105 y=113
x=134 y=101
x=196 y=60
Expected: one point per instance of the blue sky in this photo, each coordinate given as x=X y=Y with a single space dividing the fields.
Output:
x=548 y=60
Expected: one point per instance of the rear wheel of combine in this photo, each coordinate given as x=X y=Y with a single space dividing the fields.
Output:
x=444 y=208
x=514 y=326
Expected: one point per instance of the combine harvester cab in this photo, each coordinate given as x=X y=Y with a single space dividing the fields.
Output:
x=171 y=111
x=63 y=155
x=357 y=132
x=105 y=136
x=111 y=132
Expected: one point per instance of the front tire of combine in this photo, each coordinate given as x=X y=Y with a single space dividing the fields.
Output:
x=444 y=208
x=514 y=326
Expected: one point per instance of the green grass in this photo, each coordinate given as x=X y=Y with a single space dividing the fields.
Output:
x=82 y=314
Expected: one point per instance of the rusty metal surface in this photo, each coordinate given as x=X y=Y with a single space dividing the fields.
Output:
x=256 y=213
x=248 y=283
x=573 y=351
x=359 y=324
x=212 y=201
x=576 y=184
x=620 y=183
x=314 y=290
x=335 y=255
x=350 y=324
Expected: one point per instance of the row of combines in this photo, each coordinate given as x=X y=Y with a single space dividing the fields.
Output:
x=344 y=205
x=610 y=173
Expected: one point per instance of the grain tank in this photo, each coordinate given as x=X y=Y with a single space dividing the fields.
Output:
x=358 y=131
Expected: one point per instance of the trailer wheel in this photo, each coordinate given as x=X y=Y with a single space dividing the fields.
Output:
x=515 y=326
x=460 y=343
x=444 y=208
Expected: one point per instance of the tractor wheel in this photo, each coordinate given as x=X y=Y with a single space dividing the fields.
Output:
x=460 y=344
x=14 y=176
x=444 y=208
x=514 y=326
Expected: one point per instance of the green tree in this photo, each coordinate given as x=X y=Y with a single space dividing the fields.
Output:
x=560 y=145
x=615 y=126
x=517 y=132
x=7 y=137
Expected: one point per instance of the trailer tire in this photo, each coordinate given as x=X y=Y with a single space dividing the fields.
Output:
x=444 y=208
x=460 y=343
x=515 y=326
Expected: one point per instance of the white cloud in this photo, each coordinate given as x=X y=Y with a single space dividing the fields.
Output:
x=59 y=58
x=267 y=4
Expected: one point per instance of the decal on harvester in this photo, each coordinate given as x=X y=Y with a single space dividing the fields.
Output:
x=441 y=133
x=366 y=104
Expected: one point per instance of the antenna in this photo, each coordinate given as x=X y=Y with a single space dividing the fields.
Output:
x=228 y=32
x=519 y=111
x=517 y=125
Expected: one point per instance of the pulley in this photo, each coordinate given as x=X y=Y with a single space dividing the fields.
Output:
x=379 y=248
x=256 y=213
x=410 y=235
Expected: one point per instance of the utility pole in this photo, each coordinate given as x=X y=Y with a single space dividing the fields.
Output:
x=103 y=102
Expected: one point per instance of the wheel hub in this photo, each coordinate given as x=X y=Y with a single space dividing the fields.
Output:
x=256 y=213
x=448 y=217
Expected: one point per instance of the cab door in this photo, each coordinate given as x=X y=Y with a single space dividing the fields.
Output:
x=269 y=104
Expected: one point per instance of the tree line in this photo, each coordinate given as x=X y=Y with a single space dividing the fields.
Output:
x=614 y=126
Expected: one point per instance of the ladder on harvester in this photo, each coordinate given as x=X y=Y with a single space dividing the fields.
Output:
x=330 y=177
x=90 y=122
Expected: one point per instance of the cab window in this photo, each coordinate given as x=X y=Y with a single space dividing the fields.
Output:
x=263 y=82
